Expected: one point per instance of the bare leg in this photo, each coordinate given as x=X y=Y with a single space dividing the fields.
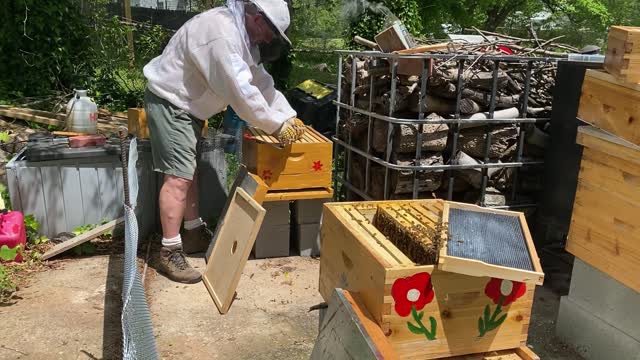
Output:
x=173 y=200
x=192 y=210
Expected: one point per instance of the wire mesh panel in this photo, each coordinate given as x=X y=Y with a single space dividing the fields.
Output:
x=137 y=330
x=433 y=125
x=491 y=238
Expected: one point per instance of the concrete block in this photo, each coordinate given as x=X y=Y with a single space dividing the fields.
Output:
x=592 y=337
x=306 y=240
x=272 y=241
x=307 y=211
x=606 y=298
x=277 y=213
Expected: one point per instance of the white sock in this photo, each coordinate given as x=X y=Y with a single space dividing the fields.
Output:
x=172 y=243
x=193 y=224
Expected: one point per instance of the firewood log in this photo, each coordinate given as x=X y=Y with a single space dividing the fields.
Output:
x=503 y=138
x=434 y=136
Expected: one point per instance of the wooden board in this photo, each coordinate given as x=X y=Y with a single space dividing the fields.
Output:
x=137 y=123
x=232 y=247
x=623 y=53
x=302 y=194
x=604 y=230
x=348 y=331
x=474 y=267
x=27 y=115
x=82 y=238
x=357 y=257
x=611 y=105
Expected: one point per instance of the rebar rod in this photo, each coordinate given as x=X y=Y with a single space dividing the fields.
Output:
x=391 y=128
x=488 y=129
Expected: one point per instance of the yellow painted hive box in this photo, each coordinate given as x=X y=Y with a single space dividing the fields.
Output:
x=451 y=293
x=305 y=164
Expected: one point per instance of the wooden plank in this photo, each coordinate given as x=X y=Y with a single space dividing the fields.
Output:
x=535 y=260
x=601 y=141
x=611 y=105
x=349 y=332
x=82 y=238
x=16 y=114
x=623 y=53
x=526 y=354
x=46 y=114
x=137 y=122
x=232 y=247
x=426 y=48
x=302 y=194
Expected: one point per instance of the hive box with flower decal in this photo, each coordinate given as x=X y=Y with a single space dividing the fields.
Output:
x=305 y=164
x=429 y=307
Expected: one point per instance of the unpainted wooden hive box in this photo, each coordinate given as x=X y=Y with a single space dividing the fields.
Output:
x=465 y=303
x=305 y=164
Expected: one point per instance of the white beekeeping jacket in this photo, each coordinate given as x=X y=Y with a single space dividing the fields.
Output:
x=208 y=65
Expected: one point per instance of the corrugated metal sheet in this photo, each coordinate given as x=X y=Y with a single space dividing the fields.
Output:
x=65 y=194
x=492 y=238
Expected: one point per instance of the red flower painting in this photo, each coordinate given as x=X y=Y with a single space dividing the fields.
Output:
x=317 y=165
x=503 y=293
x=411 y=294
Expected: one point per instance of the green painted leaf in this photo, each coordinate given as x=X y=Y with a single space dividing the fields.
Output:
x=414 y=329
x=481 y=327
x=487 y=312
x=420 y=315
x=499 y=321
x=434 y=326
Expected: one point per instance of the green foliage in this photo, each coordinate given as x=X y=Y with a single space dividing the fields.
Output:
x=373 y=17
x=45 y=46
x=4 y=137
x=32 y=227
x=4 y=194
x=233 y=164
x=7 y=254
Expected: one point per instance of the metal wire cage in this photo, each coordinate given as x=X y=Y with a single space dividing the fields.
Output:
x=345 y=151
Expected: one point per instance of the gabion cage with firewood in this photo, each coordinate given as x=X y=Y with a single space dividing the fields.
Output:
x=442 y=126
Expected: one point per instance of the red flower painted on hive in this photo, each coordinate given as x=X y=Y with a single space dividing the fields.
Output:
x=267 y=174
x=511 y=290
x=503 y=293
x=317 y=165
x=415 y=291
x=410 y=296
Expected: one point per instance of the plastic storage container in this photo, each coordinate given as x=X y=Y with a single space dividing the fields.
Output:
x=316 y=110
x=12 y=231
x=82 y=114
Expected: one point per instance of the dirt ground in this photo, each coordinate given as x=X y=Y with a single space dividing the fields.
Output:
x=73 y=313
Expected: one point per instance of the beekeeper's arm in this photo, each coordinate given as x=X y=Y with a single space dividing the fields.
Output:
x=230 y=77
x=265 y=83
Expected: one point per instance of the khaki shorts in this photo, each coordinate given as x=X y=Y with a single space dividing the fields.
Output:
x=174 y=134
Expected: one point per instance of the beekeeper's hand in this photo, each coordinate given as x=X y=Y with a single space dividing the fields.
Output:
x=291 y=131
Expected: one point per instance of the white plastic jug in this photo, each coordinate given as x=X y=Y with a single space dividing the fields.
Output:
x=82 y=114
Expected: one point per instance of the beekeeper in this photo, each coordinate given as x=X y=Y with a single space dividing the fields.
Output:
x=211 y=62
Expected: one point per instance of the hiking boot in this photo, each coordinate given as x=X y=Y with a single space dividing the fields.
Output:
x=174 y=265
x=196 y=240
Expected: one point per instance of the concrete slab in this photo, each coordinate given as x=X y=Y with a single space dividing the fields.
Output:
x=305 y=239
x=272 y=241
x=307 y=211
x=277 y=213
x=606 y=298
x=592 y=337
x=269 y=319
x=69 y=313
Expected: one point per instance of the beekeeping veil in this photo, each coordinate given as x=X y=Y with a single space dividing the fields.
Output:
x=277 y=13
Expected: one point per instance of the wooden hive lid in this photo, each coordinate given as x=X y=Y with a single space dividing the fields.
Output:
x=311 y=136
x=602 y=141
x=488 y=242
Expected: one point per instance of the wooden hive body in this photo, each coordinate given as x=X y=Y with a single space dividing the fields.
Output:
x=305 y=164
x=356 y=256
x=623 y=53
x=604 y=228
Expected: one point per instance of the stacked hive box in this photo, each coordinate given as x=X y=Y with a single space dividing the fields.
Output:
x=306 y=218
x=273 y=238
x=604 y=233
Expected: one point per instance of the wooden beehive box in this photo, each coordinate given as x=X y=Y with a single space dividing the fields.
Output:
x=623 y=53
x=611 y=105
x=604 y=228
x=407 y=300
x=305 y=164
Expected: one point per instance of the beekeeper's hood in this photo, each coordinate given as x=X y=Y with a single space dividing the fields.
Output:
x=276 y=11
